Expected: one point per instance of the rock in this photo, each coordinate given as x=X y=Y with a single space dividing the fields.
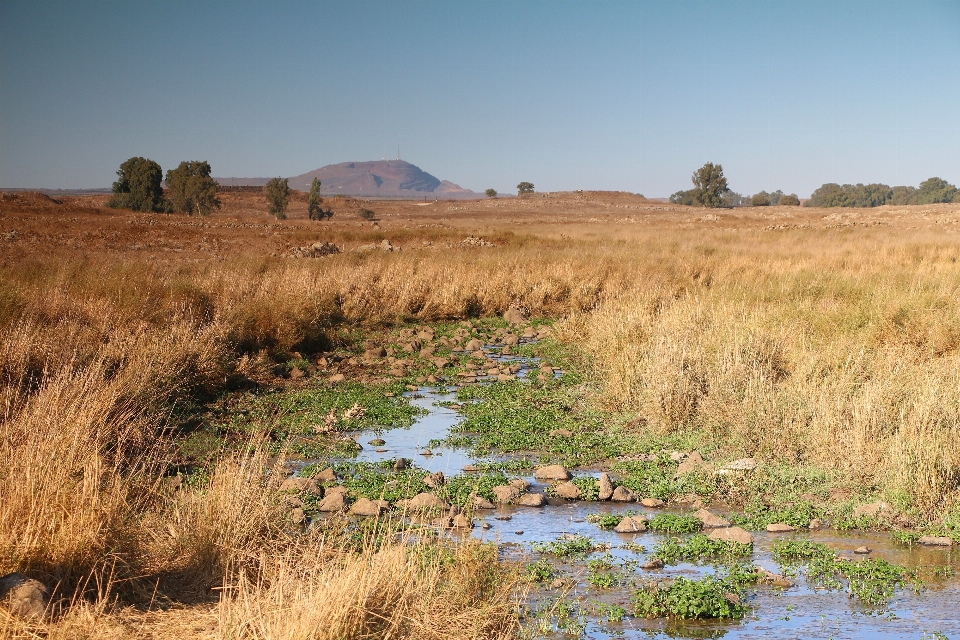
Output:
x=461 y=521
x=743 y=464
x=400 y=464
x=374 y=353
x=434 y=480
x=504 y=518
x=652 y=564
x=519 y=533
x=769 y=577
x=335 y=501
x=327 y=475
x=780 y=527
x=815 y=524
x=631 y=524
x=532 y=500
x=878 y=509
x=561 y=433
x=864 y=550
x=691 y=463
x=677 y=456
x=473 y=345
x=366 y=507
x=514 y=315
x=731 y=534
x=557 y=584
x=652 y=503
x=338 y=489
x=424 y=502
x=691 y=500
x=505 y=493
x=292 y=501
x=479 y=502
x=519 y=483
x=25 y=597
x=305 y=485
x=377 y=442
x=935 y=541
x=552 y=472
x=469 y=468
x=711 y=520
x=566 y=490
x=426 y=452
x=337 y=377
x=296 y=516
x=485 y=525
x=606 y=487
x=622 y=494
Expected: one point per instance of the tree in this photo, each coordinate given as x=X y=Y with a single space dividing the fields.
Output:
x=762 y=199
x=491 y=193
x=190 y=188
x=790 y=200
x=138 y=186
x=278 y=194
x=935 y=190
x=709 y=185
x=524 y=188
x=315 y=202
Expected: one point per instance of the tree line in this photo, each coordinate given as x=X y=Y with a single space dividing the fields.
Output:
x=930 y=191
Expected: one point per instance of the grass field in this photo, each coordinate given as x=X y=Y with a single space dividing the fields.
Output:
x=803 y=337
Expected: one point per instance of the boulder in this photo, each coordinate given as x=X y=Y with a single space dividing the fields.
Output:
x=513 y=315
x=652 y=564
x=606 y=487
x=631 y=524
x=815 y=524
x=423 y=502
x=936 y=541
x=337 y=377
x=652 y=503
x=505 y=493
x=532 y=500
x=552 y=472
x=335 y=501
x=473 y=345
x=775 y=579
x=566 y=490
x=327 y=475
x=731 y=534
x=780 y=527
x=622 y=494
x=691 y=463
x=305 y=485
x=434 y=480
x=296 y=516
x=366 y=507
x=400 y=464
x=25 y=597
x=520 y=484
x=461 y=521
x=711 y=520
x=864 y=550
x=374 y=353
x=479 y=502
x=691 y=500
x=878 y=509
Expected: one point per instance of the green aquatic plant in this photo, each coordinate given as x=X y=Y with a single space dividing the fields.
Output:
x=674 y=523
x=699 y=548
x=685 y=599
x=577 y=546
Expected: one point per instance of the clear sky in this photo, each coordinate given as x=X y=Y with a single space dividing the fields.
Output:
x=630 y=96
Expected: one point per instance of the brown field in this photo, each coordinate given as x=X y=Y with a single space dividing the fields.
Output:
x=824 y=337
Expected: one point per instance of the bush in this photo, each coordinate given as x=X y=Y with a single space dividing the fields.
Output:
x=278 y=194
x=138 y=186
x=491 y=193
x=191 y=189
x=524 y=188
x=760 y=200
x=790 y=200
x=708 y=597
x=366 y=214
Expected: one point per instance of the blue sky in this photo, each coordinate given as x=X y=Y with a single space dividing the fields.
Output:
x=630 y=96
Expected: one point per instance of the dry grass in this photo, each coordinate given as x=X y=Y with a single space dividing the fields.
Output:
x=800 y=342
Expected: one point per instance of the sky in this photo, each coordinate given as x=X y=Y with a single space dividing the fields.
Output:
x=630 y=96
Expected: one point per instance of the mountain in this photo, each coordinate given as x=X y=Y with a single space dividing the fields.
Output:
x=380 y=178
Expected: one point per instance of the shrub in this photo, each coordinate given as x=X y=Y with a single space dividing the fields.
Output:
x=278 y=194
x=673 y=523
x=367 y=214
x=708 y=597
x=491 y=193
x=138 y=186
x=191 y=189
x=760 y=200
x=790 y=200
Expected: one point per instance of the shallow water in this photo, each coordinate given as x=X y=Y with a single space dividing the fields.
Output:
x=798 y=612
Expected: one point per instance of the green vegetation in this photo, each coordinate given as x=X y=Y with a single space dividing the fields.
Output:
x=366 y=214
x=575 y=547
x=872 y=580
x=790 y=200
x=930 y=191
x=605 y=520
x=758 y=515
x=761 y=199
x=708 y=597
x=491 y=193
x=709 y=185
x=656 y=479
x=191 y=190
x=589 y=487
x=315 y=203
x=674 y=523
x=540 y=571
x=277 y=192
x=524 y=188
x=699 y=548
x=138 y=186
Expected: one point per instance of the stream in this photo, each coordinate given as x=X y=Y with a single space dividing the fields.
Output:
x=802 y=611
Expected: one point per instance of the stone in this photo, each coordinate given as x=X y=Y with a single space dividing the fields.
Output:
x=552 y=472
x=519 y=533
x=473 y=345
x=677 y=456
x=691 y=500
x=504 y=518
x=622 y=494
x=377 y=442
x=505 y=493
x=485 y=525
x=479 y=502
x=519 y=483
x=557 y=584
x=710 y=520
x=513 y=315
x=469 y=468
x=461 y=521
x=335 y=501
x=777 y=580
x=305 y=485
x=935 y=541
x=743 y=464
x=366 y=507
x=562 y=433
x=337 y=377
x=566 y=490
x=815 y=524
x=25 y=597
x=878 y=509
x=690 y=464
x=400 y=464
x=606 y=487
x=780 y=527
x=864 y=550
x=652 y=503
x=338 y=489
x=631 y=524
x=423 y=502
x=532 y=500
x=426 y=452
x=652 y=564
x=731 y=534
x=504 y=377
x=434 y=480
x=374 y=353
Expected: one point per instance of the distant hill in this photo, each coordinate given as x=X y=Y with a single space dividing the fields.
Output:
x=378 y=178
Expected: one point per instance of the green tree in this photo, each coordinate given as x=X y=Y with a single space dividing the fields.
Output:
x=524 y=188
x=790 y=200
x=709 y=185
x=683 y=197
x=138 y=186
x=491 y=193
x=278 y=194
x=935 y=190
x=315 y=202
x=191 y=190
x=762 y=199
